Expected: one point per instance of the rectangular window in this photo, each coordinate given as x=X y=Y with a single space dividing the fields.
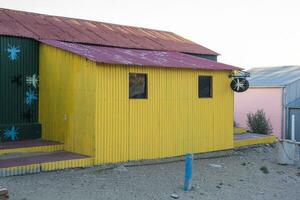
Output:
x=137 y=86
x=205 y=86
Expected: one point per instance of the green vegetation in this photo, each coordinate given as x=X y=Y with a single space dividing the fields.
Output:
x=258 y=123
x=264 y=170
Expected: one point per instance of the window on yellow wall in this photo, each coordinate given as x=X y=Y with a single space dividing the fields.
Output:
x=138 y=86
x=205 y=87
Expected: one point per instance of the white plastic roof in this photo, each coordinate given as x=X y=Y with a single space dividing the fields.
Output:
x=273 y=76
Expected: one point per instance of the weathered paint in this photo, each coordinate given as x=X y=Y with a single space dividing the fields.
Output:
x=64 y=164
x=86 y=106
x=19 y=98
x=268 y=99
x=20 y=170
x=138 y=57
x=48 y=148
x=38 y=26
x=49 y=166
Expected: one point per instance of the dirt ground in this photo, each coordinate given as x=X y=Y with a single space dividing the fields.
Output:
x=250 y=173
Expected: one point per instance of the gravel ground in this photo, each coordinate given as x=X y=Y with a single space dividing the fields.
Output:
x=235 y=177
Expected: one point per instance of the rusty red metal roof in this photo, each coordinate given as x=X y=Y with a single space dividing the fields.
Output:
x=114 y=55
x=38 y=26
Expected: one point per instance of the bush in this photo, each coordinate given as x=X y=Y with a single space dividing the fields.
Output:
x=264 y=170
x=258 y=123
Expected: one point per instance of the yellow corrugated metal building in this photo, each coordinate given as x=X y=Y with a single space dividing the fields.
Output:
x=107 y=93
x=85 y=105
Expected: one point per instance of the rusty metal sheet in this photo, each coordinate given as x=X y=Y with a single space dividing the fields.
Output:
x=113 y=55
x=38 y=26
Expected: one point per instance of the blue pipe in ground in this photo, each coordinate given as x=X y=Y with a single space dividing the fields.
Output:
x=188 y=171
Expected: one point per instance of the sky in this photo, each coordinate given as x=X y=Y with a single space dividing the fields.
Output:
x=247 y=33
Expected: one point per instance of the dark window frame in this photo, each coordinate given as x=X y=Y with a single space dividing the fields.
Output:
x=211 y=87
x=146 y=85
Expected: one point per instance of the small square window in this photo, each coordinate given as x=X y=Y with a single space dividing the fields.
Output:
x=137 y=86
x=205 y=86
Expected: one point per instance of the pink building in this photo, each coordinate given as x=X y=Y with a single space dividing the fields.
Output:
x=268 y=99
x=276 y=90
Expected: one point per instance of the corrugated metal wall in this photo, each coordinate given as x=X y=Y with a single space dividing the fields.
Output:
x=171 y=122
x=67 y=99
x=104 y=122
x=19 y=98
x=292 y=92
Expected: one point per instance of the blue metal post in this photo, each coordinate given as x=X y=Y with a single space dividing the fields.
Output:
x=188 y=171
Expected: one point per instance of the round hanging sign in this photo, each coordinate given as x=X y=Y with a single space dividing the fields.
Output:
x=239 y=84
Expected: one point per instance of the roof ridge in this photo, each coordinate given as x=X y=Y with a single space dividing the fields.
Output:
x=46 y=26
x=88 y=20
x=269 y=67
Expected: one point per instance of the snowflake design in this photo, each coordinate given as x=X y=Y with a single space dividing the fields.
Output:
x=11 y=134
x=13 y=52
x=32 y=80
x=30 y=97
x=239 y=85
